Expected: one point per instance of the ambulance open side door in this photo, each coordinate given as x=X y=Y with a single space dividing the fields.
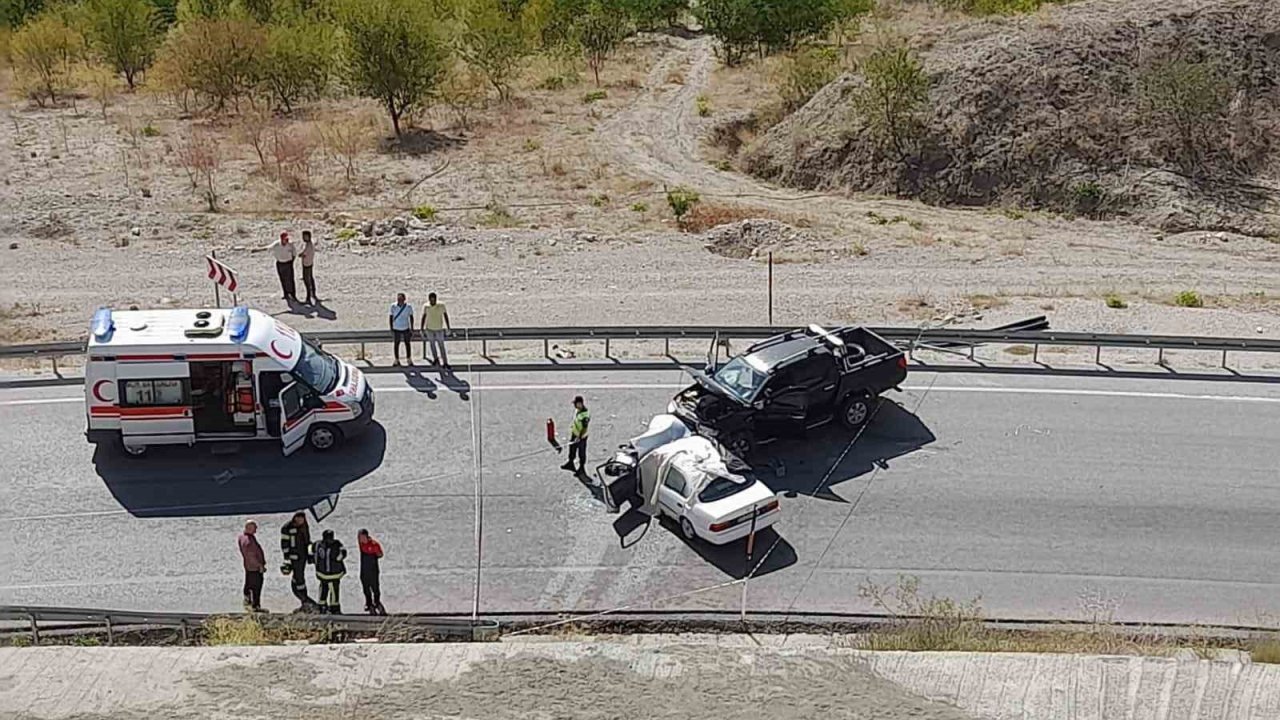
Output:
x=297 y=411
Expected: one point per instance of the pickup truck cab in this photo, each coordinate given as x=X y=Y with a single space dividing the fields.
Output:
x=784 y=385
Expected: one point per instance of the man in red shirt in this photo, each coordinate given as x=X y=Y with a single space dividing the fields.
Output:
x=255 y=563
x=370 y=553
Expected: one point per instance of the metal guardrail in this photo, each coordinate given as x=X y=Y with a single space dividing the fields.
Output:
x=952 y=340
x=31 y=619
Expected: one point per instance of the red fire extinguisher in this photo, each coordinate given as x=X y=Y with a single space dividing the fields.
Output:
x=551 y=435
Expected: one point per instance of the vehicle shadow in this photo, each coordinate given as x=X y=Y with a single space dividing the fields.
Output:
x=813 y=466
x=216 y=479
x=770 y=551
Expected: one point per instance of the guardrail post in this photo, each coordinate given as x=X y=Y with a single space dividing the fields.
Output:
x=1035 y=353
x=1224 y=359
x=666 y=344
x=546 y=348
x=183 y=625
x=971 y=349
x=1160 y=358
x=607 y=356
x=484 y=349
x=55 y=364
x=1097 y=355
x=110 y=635
x=35 y=630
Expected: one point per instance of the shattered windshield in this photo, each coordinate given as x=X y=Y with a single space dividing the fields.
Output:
x=740 y=379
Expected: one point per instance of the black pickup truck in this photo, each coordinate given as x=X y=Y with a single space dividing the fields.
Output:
x=782 y=386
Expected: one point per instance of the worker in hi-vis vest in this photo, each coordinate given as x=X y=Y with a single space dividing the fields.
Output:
x=578 y=436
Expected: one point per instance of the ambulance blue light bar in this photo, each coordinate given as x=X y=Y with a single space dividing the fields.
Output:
x=102 y=325
x=238 y=323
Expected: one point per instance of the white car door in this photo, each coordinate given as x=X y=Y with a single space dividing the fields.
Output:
x=296 y=416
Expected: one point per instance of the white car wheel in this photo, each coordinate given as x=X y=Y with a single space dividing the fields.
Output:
x=686 y=529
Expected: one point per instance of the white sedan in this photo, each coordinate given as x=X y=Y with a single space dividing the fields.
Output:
x=667 y=471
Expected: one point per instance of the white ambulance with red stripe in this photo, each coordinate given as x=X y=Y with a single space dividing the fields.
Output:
x=178 y=377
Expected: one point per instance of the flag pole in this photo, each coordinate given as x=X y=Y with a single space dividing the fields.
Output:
x=217 y=295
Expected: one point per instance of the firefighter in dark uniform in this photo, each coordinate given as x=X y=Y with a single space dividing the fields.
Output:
x=295 y=543
x=329 y=557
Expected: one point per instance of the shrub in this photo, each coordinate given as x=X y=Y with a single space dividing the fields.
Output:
x=640 y=207
x=1115 y=302
x=594 y=96
x=45 y=52
x=599 y=200
x=150 y=131
x=654 y=14
x=531 y=145
x=462 y=91
x=125 y=33
x=705 y=216
x=801 y=75
x=495 y=41
x=395 y=53
x=498 y=215
x=893 y=97
x=345 y=138
x=703 y=105
x=347 y=233
x=925 y=623
x=15 y=13
x=100 y=81
x=215 y=62
x=681 y=200
x=292 y=151
x=1088 y=197
x=1188 y=299
x=198 y=155
x=425 y=212
x=735 y=24
x=1184 y=104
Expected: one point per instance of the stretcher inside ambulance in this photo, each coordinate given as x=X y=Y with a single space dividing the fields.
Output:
x=177 y=377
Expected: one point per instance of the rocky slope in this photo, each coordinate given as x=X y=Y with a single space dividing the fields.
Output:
x=1061 y=110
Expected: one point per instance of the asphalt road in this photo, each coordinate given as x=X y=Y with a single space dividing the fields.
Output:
x=1073 y=498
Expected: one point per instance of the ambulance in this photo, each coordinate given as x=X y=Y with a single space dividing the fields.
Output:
x=178 y=377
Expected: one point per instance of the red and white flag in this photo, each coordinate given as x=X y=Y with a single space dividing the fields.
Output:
x=221 y=274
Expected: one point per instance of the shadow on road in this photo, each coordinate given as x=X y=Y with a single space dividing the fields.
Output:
x=770 y=551
x=217 y=479
x=800 y=466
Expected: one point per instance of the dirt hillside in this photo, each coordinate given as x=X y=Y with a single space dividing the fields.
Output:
x=1081 y=108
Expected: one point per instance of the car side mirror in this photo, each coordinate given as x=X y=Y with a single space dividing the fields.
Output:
x=759 y=404
x=709 y=369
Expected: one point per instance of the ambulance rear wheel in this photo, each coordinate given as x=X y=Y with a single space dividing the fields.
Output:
x=324 y=437
x=133 y=450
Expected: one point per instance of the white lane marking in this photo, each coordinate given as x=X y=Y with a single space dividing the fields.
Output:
x=938 y=388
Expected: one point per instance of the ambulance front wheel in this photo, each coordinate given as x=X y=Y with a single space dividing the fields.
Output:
x=324 y=437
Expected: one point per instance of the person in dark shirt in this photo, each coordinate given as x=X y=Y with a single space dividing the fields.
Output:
x=370 y=553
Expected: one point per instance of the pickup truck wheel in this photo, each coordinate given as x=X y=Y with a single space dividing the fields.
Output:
x=686 y=529
x=324 y=437
x=856 y=411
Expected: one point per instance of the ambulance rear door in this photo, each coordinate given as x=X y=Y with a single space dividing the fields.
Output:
x=154 y=396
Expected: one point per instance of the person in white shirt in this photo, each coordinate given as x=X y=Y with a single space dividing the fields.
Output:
x=284 y=252
x=401 y=321
x=308 y=256
x=435 y=320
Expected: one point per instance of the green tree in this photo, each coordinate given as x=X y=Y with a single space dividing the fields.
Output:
x=45 y=52
x=395 y=53
x=735 y=24
x=496 y=42
x=653 y=14
x=599 y=30
x=217 y=60
x=893 y=96
x=299 y=62
x=125 y=33
x=14 y=13
x=189 y=10
x=167 y=11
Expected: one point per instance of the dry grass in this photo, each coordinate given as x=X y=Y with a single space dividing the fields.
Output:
x=1266 y=650
x=13 y=326
x=705 y=216
x=250 y=630
x=1020 y=350
x=986 y=302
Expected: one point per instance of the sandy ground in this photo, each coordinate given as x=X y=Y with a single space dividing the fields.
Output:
x=77 y=231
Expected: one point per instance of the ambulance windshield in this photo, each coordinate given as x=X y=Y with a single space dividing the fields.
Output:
x=316 y=368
